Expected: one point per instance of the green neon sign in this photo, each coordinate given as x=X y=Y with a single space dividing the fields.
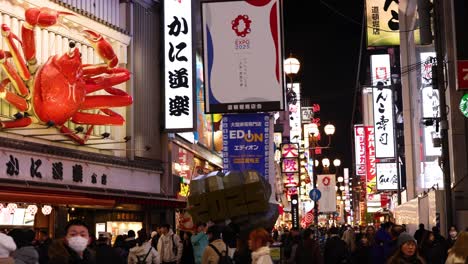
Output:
x=464 y=105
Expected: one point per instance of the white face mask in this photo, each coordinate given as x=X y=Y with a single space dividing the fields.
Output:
x=453 y=233
x=77 y=243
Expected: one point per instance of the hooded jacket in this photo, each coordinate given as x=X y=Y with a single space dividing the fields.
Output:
x=165 y=247
x=261 y=256
x=141 y=251
x=199 y=243
x=26 y=255
x=7 y=245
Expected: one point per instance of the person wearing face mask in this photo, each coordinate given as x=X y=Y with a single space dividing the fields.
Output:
x=453 y=235
x=73 y=248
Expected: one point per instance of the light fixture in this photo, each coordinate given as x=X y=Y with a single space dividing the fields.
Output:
x=329 y=129
x=291 y=65
x=336 y=188
x=31 y=209
x=343 y=198
x=317 y=163
x=313 y=129
x=46 y=209
x=12 y=207
x=336 y=162
x=341 y=188
x=340 y=179
x=326 y=162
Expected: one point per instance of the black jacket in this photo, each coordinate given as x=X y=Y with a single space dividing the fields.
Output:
x=335 y=251
x=59 y=253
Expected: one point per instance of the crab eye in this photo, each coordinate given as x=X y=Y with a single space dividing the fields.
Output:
x=71 y=44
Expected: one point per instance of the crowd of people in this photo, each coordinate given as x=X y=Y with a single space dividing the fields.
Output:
x=214 y=244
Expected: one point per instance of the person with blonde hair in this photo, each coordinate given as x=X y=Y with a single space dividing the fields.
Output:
x=459 y=252
x=259 y=240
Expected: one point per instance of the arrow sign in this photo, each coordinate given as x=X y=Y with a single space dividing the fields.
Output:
x=315 y=195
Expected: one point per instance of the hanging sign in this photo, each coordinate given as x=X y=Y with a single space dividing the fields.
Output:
x=242 y=53
x=245 y=142
x=387 y=176
x=383 y=123
x=370 y=159
x=462 y=74
x=380 y=65
x=179 y=67
x=326 y=185
x=360 y=150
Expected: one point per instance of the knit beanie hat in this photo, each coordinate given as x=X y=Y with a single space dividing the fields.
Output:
x=7 y=245
x=405 y=237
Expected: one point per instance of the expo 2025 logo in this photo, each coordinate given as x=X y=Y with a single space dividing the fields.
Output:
x=241 y=25
x=326 y=181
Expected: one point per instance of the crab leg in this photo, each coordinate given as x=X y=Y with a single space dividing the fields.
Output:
x=109 y=118
x=102 y=47
x=41 y=17
x=14 y=77
x=98 y=82
x=17 y=58
x=116 y=99
x=13 y=99
x=65 y=130
x=90 y=70
x=22 y=122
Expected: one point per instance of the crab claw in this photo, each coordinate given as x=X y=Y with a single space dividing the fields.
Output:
x=103 y=47
x=15 y=53
x=44 y=16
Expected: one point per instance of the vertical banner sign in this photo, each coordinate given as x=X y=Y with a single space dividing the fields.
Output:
x=380 y=65
x=383 y=123
x=290 y=164
x=460 y=8
x=387 y=176
x=245 y=143
x=295 y=210
x=370 y=160
x=383 y=25
x=179 y=70
x=360 y=150
x=295 y=133
x=326 y=185
x=242 y=53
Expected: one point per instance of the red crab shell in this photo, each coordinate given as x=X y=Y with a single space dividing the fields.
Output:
x=59 y=89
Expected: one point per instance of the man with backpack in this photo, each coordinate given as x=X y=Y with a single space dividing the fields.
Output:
x=169 y=246
x=217 y=251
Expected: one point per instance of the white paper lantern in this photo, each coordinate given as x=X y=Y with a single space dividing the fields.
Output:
x=32 y=209
x=46 y=209
x=12 y=207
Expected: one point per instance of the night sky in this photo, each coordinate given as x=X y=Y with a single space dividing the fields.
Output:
x=327 y=45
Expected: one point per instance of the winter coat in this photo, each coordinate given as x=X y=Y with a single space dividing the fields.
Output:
x=398 y=258
x=261 y=256
x=187 y=253
x=335 y=251
x=8 y=260
x=59 y=253
x=453 y=259
x=105 y=254
x=210 y=256
x=165 y=247
x=199 y=243
x=307 y=251
x=141 y=251
x=435 y=252
x=42 y=249
x=26 y=255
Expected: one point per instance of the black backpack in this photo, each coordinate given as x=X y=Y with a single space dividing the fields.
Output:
x=143 y=261
x=223 y=259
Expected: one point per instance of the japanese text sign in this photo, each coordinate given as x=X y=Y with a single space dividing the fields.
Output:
x=295 y=132
x=289 y=165
x=290 y=150
x=360 y=150
x=383 y=123
x=245 y=142
x=242 y=54
x=462 y=73
x=370 y=159
x=380 y=65
x=387 y=176
x=179 y=105
x=383 y=24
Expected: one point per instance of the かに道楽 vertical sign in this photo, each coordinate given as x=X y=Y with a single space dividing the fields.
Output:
x=179 y=103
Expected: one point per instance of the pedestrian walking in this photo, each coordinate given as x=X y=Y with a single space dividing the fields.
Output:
x=169 y=246
x=105 y=254
x=459 y=252
x=407 y=252
x=73 y=248
x=259 y=240
x=216 y=248
x=453 y=234
x=25 y=253
x=187 y=249
x=119 y=248
x=143 y=252
x=309 y=251
x=335 y=248
x=292 y=246
x=42 y=246
x=7 y=245
x=419 y=234
x=199 y=242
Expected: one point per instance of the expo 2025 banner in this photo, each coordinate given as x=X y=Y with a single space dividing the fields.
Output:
x=242 y=56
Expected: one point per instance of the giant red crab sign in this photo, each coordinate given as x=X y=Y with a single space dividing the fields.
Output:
x=59 y=90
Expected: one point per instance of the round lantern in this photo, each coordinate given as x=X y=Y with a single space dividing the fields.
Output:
x=12 y=207
x=31 y=209
x=46 y=209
